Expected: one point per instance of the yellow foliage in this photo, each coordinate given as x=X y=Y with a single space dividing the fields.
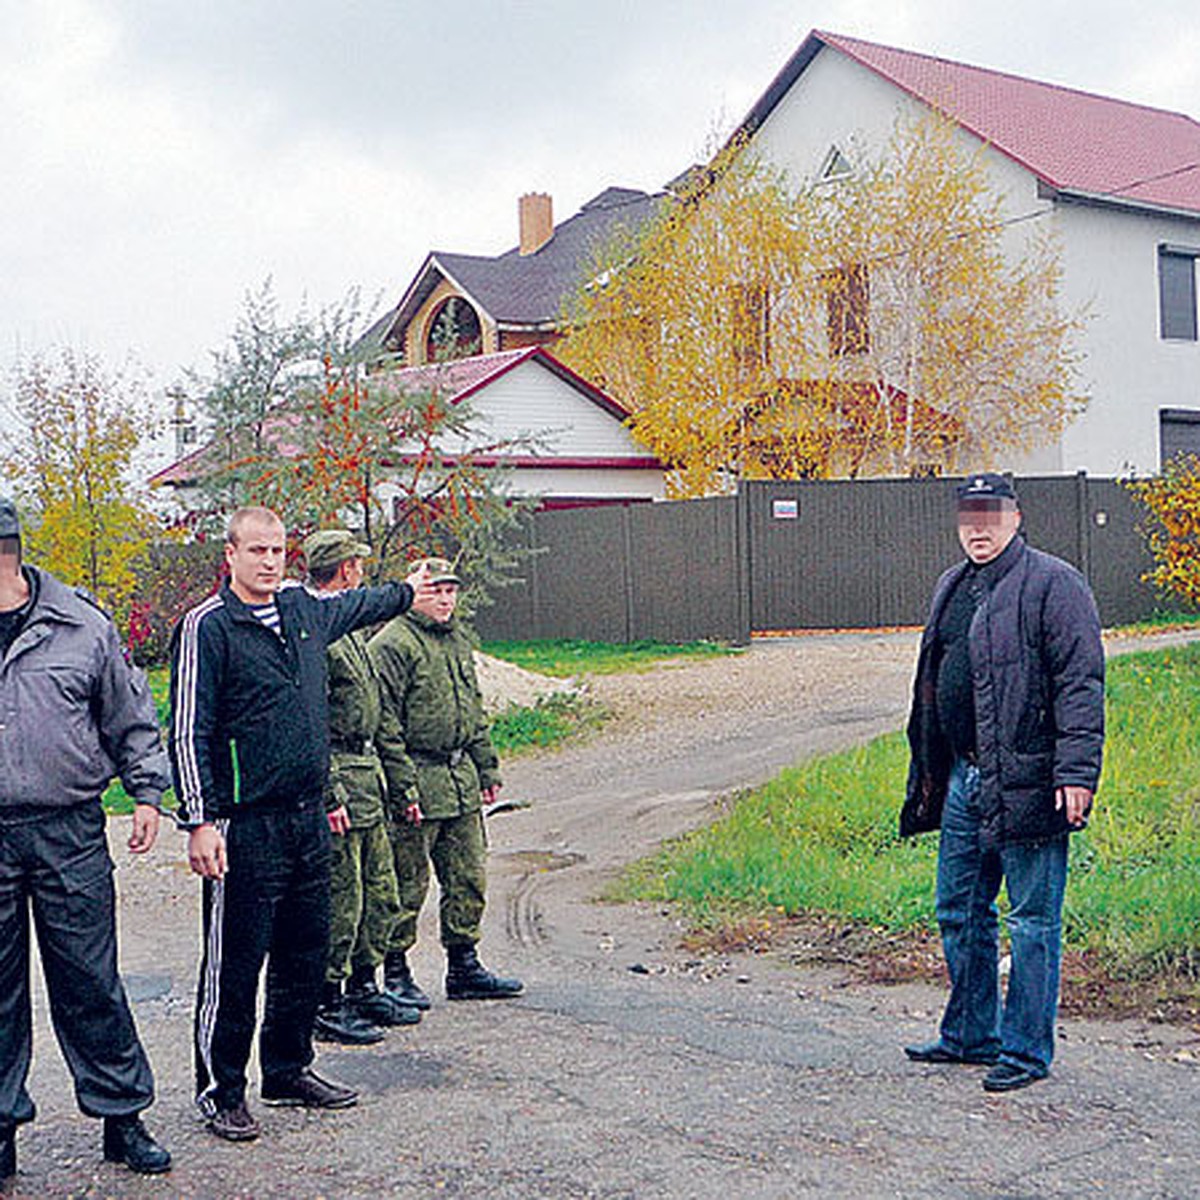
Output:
x=869 y=325
x=82 y=519
x=1172 y=532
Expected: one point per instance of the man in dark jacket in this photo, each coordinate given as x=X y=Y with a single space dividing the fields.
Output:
x=1006 y=734
x=75 y=713
x=250 y=753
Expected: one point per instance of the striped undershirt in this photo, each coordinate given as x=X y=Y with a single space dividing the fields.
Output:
x=268 y=614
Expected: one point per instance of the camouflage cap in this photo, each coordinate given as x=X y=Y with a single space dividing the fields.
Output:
x=332 y=547
x=441 y=570
x=10 y=523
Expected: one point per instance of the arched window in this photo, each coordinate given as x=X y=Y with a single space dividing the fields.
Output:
x=454 y=331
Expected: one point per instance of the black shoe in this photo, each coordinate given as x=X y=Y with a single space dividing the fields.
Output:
x=1007 y=1077
x=398 y=980
x=468 y=979
x=306 y=1089
x=234 y=1124
x=8 y=1153
x=126 y=1140
x=342 y=1024
x=379 y=1008
x=935 y=1052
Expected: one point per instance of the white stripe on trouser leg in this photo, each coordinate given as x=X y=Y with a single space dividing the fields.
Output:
x=210 y=994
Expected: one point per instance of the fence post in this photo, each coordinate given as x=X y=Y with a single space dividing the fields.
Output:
x=743 y=556
x=627 y=569
x=1083 y=539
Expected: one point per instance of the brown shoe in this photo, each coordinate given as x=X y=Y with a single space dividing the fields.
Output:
x=235 y=1124
x=306 y=1089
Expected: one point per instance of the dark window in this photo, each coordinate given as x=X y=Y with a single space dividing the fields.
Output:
x=751 y=322
x=1178 y=433
x=1177 y=293
x=454 y=331
x=847 y=308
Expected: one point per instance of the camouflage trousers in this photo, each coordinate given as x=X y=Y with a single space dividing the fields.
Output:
x=457 y=848
x=363 y=901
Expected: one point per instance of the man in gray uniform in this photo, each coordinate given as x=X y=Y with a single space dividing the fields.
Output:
x=75 y=714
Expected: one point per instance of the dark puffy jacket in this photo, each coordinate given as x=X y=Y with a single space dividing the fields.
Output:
x=250 y=710
x=1037 y=665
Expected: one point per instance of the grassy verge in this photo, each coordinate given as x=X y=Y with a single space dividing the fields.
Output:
x=566 y=657
x=821 y=838
x=554 y=719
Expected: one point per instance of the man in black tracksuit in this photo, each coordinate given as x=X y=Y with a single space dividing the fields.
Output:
x=250 y=755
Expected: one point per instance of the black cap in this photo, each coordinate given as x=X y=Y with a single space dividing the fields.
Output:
x=10 y=523
x=987 y=485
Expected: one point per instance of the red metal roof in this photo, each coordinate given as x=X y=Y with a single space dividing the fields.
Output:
x=1074 y=141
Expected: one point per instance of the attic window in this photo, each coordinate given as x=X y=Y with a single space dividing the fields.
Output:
x=454 y=331
x=836 y=166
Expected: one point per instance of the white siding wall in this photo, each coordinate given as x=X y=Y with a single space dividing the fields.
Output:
x=532 y=399
x=1110 y=261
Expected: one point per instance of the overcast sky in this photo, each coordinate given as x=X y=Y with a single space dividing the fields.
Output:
x=162 y=157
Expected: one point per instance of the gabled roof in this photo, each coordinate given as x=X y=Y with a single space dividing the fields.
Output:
x=1074 y=142
x=525 y=290
x=460 y=378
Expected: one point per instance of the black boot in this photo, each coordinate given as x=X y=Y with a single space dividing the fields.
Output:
x=8 y=1152
x=468 y=979
x=398 y=980
x=126 y=1140
x=365 y=1000
x=338 y=1022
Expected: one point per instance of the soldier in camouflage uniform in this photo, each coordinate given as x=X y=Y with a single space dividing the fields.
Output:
x=441 y=769
x=364 y=904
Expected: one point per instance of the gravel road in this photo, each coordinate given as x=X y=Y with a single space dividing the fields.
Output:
x=633 y=1068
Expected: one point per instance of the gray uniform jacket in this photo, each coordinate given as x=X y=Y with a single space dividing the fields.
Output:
x=73 y=712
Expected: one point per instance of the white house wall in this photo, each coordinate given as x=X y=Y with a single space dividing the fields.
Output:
x=532 y=399
x=1109 y=256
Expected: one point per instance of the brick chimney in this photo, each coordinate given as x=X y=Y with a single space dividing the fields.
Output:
x=535 y=216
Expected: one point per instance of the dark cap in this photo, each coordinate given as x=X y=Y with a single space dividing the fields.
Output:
x=987 y=485
x=332 y=547
x=10 y=523
x=441 y=570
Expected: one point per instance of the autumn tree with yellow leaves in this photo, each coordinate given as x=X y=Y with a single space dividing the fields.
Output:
x=1171 y=501
x=886 y=321
x=69 y=456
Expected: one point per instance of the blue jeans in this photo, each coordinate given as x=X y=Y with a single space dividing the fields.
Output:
x=968 y=882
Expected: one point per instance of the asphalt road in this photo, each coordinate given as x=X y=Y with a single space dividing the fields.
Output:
x=632 y=1068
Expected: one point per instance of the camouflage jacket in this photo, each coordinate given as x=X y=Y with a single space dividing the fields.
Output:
x=356 y=777
x=435 y=736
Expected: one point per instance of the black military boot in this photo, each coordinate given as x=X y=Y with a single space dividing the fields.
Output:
x=468 y=979
x=127 y=1140
x=338 y=1022
x=398 y=980
x=365 y=1000
x=8 y=1152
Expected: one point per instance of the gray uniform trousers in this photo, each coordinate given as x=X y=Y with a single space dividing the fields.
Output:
x=56 y=861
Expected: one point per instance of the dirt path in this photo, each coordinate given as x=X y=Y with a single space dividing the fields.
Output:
x=631 y=1068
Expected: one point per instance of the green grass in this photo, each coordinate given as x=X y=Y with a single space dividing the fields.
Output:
x=566 y=657
x=821 y=837
x=552 y=720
